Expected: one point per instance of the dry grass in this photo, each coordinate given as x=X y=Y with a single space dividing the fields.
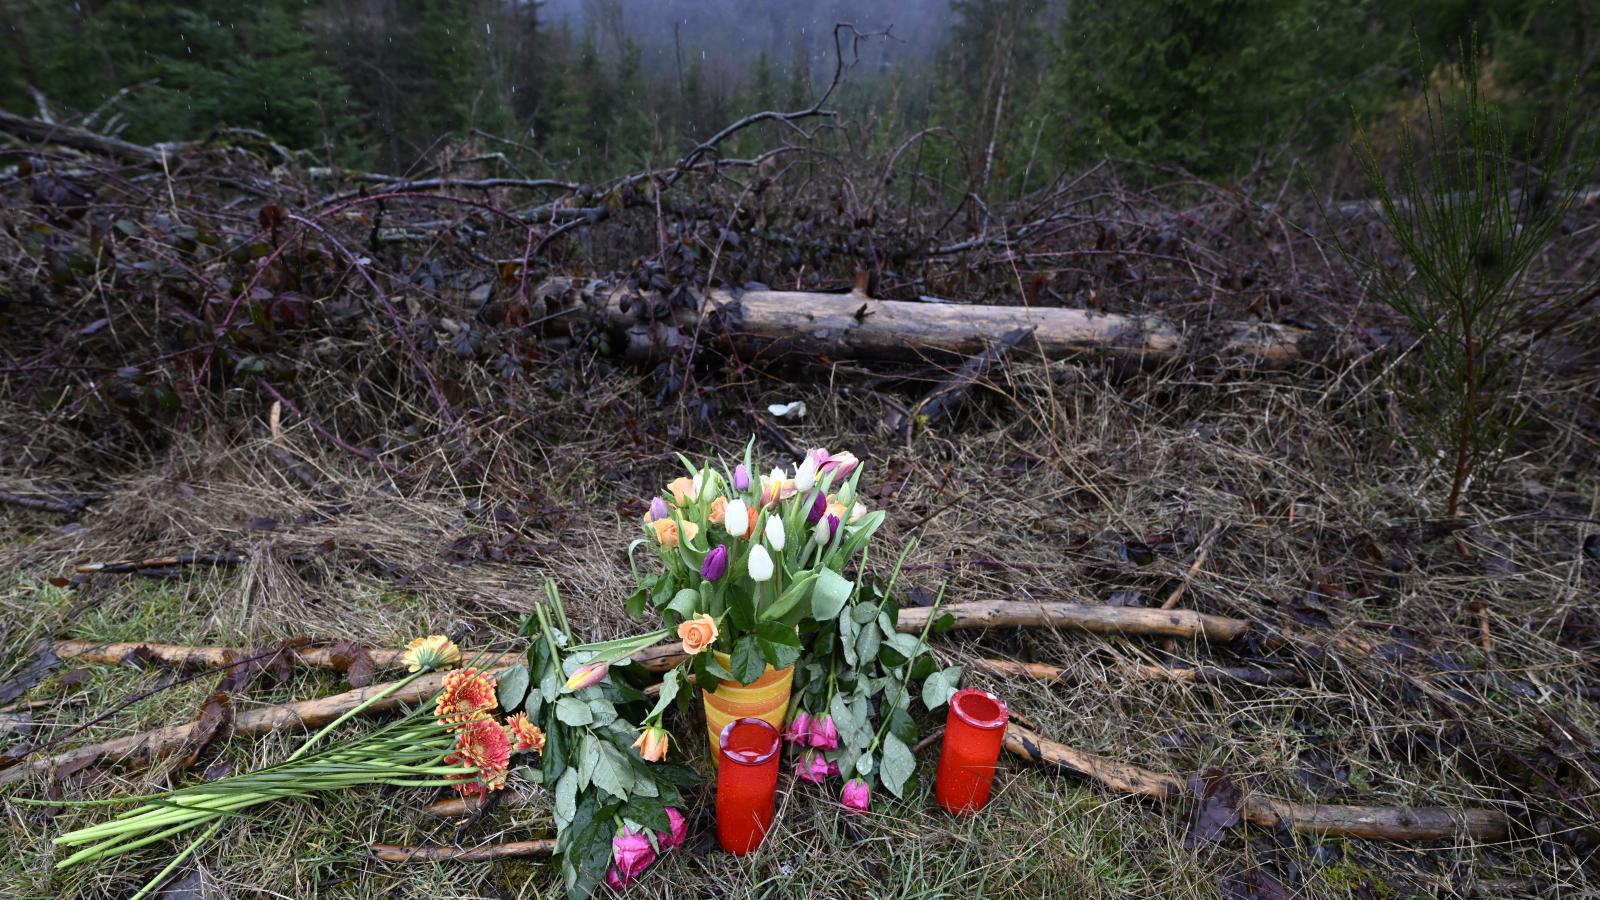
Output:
x=1028 y=493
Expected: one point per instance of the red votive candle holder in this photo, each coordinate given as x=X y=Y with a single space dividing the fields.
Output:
x=747 y=780
x=973 y=731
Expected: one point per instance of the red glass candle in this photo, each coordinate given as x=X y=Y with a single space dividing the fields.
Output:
x=747 y=780
x=973 y=732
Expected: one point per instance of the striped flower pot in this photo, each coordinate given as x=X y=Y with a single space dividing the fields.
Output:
x=766 y=698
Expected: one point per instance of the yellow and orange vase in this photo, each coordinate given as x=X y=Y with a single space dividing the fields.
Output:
x=766 y=698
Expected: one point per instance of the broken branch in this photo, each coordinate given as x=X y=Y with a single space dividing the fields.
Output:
x=398 y=854
x=1374 y=822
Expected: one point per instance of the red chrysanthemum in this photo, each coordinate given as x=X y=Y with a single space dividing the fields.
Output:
x=484 y=745
x=467 y=696
x=524 y=734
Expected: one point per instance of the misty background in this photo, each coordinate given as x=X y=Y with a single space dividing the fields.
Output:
x=1015 y=91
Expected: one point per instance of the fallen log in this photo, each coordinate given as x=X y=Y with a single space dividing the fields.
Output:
x=1092 y=618
x=857 y=326
x=76 y=138
x=156 y=744
x=1145 y=672
x=484 y=853
x=1371 y=822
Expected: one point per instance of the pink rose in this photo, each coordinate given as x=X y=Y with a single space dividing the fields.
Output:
x=799 y=730
x=632 y=853
x=677 y=832
x=856 y=796
x=824 y=734
x=814 y=767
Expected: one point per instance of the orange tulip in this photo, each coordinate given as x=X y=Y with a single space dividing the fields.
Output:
x=667 y=531
x=682 y=489
x=719 y=508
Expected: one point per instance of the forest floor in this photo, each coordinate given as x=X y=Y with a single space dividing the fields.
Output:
x=1059 y=482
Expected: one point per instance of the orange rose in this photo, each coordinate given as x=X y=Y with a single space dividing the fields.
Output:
x=652 y=744
x=667 y=531
x=682 y=490
x=697 y=633
x=719 y=508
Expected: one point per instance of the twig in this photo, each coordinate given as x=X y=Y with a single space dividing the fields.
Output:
x=1376 y=822
x=1199 y=561
x=926 y=742
x=48 y=504
x=397 y=854
x=187 y=559
x=1141 y=672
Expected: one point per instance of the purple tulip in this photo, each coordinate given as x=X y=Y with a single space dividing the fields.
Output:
x=818 y=507
x=799 y=731
x=824 y=734
x=716 y=563
x=658 y=510
x=741 y=478
x=856 y=796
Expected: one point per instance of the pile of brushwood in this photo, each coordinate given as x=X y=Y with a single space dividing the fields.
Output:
x=215 y=291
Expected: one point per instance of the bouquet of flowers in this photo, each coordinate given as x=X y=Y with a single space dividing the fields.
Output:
x=457 y=741
x=756 y=579
x=615 y=800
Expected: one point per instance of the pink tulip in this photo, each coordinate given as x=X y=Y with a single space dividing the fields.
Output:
x=856 y=796
x=824 y=734
x=841 y=464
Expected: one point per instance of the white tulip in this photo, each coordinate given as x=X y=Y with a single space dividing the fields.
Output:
x=806 y=475
x=846 y=495
x=760 y=564
x=821 y=531
x=736 y=518
x=857 y=511
x=775 y=533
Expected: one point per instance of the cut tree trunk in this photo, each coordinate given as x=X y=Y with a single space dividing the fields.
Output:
x=76 y=138
x=1372 y=822
x=857 y=326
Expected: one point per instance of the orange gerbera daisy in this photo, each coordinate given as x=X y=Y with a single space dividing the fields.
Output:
x=484 y=745
x=468 y=695
x=524 y=734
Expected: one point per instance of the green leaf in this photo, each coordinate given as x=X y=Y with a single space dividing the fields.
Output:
x=715 y=668
x=898 y=765
x=612 y=773
x=684 y=602
x=862 y=613
x=864 y=765
x=867 y=643
x=902 y=726
x=780 y=646
x=602 y=711
x=550 y=683
x=943 y=624
x=940 y=687
x=636 y=602
x=748 y=663
x=829 y=594
x=742 y=609
x=513 y=688
x=790 y=598
x=566 y=799
x=574 y=712
x=669 y=690
x=647 y=811
x=588 y=757
x=897 y=649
